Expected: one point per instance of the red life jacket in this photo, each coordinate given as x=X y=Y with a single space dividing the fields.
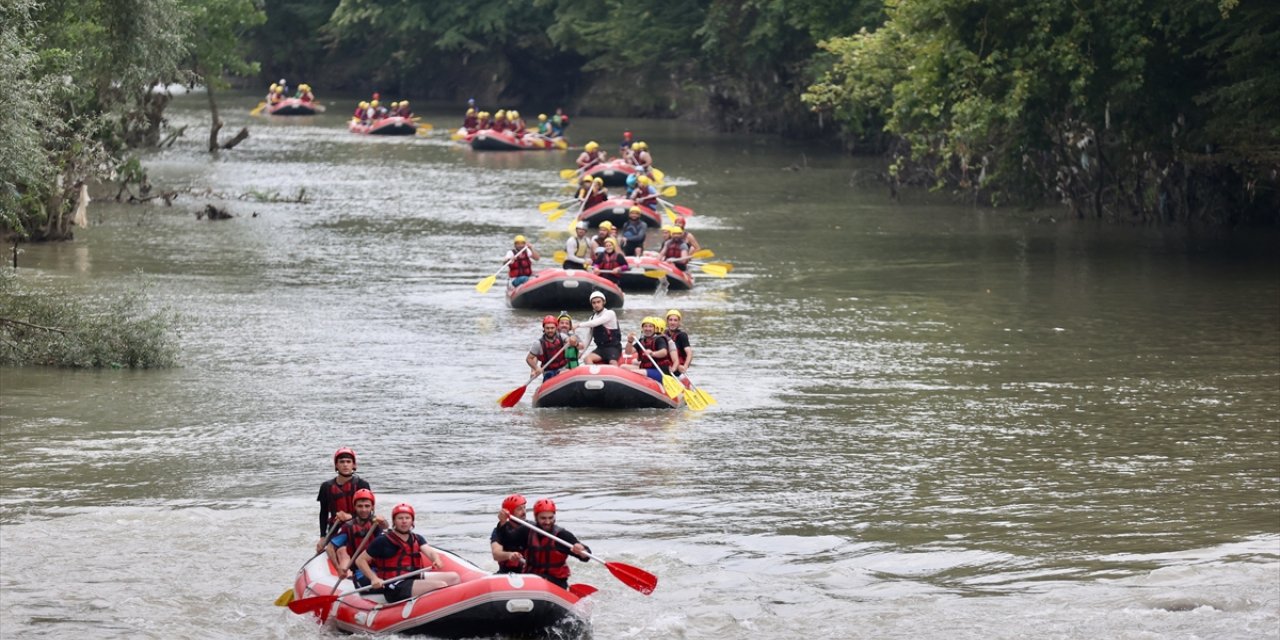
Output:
x=342 y=497
x=674 y=250
x=593 y=158
x=355 y=532
x=607 y=261
x=545 y=557
x=598 y=196
x=470 y=123
x=359 y=113
x=521 y=265
x=552 y=347
x=651 y=344
x=408 y=557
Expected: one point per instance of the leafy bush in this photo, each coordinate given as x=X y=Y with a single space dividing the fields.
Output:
x=55 y=328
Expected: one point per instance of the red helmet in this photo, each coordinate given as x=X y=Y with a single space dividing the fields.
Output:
x=363 y=494
x=680 y=221
x=626 y=134
x=546 y=320
x=513 y=501
x=544 y=504
x=344 y=452
x=403 y=507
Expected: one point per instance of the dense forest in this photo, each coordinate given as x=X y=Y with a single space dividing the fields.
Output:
x=1145 y=111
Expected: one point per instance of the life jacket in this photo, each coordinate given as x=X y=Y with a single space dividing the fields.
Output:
x=651 y=344
x=342 y=497
x=674 y=250
x=469 y=123
x=674 y=337
x=408 y=557
x=598 y=196
x=581 y=247
x=606 y=337
x=545 y=557
x=359 y=113
x=511 y=564
x=607 y=261
x=550 y=348
x=521 y=265
x=644 y=196
x=593 y=158
x=499 y=125
x=355 y=532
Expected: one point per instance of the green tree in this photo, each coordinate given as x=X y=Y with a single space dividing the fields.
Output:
x=216 y=40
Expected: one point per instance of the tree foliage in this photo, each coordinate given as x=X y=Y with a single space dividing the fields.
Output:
x=1117 y=109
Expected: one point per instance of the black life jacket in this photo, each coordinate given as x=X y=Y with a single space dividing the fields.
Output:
x=546 y=557
x=550 y=348
x=674 y=336
x=408 y=557
x=605 y=337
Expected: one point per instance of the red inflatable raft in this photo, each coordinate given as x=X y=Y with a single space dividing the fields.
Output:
x=292 y=107
x=481 y=605
x=635 y=280
x=615 y=211
x=613 y=172
x=603 y=386
x=490 y=140
x=556 y=289
x=393 y=126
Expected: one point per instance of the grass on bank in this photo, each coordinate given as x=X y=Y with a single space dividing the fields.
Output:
x=48 y=327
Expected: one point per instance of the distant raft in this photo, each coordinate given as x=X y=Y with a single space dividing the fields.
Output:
x=292 y=107
x=603 y=386
x=556 y=289
x=490 y=140
x=636 y=280
x=613 y=173
x=393 y=126
x=614 y=210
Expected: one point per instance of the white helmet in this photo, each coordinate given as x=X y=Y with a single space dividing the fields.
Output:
x=594 y=295
x=582 y=224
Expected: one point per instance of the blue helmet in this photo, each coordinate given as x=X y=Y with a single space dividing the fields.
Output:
x=631 y=180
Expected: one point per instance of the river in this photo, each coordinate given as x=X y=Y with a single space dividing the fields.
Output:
x=933 y=421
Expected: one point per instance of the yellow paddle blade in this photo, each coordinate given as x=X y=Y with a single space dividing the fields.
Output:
x=255 y=111
x=672 y=386
x=706 y=397
x=702 y=254
x=714 y=270
x=657 y=174
x=550 y=205
x=561 y=144
x=692 y=401
x=285 y=598
x=484 y=285
x=425 y=126
x=559 y=257
x=573 y=226
x=568 y=174
x=670 y=214
x=721 y=265
x=455 y=136
x=656 y=274
x=555 y=215
x=669 y=192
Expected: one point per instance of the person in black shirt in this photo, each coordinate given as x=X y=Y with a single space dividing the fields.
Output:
x=337 y=496
x=509 y=540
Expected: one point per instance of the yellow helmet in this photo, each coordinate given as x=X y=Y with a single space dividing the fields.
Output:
x=513 y=114
x=599 y=182
x=373 y=103
x=669 y=228
x=500 y=114
x=592 y=146
x=394 y=104
x=606 y=225
x=635 y=210
x=611 y=242
x=677 y=231
x=471 y=112
x=649 y=320
x=484 y=114
x=304 y=87
x=519 y=239
x=586 y=178
x=364 y=104
x=635 y=146
x=676 y=313
x=274 y=86
x=644 y=181
x=644 y=146
x=542 y=117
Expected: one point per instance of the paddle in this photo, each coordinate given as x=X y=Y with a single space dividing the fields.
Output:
x=670 y=385
x=484 y=285
x=425 y=126
x=684 y=211
x=307 y=605
x=669 y=192
x=552 y=205
x=657 y=174
x=633 y=577
x=555 y=215
x=703 y=395
x=569 y=174
x=287 y=597
x=582 y=590
x=512 y=397
x=717 y=269
x=342 y=571
x=456 y=136
x=256 y=110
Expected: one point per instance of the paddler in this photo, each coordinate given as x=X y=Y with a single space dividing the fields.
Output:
x=611 y=262
x=579 y=250
x=676 y=250
x=680 y=340
x=344 y=544
x=509 y=539
x=591 y=156
x=656 y=345
x=398 y=551
x=633 y=232
x=545 y=557
x=605 y=332
x=546 y=356
x=337 y=495
x=520 y=260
